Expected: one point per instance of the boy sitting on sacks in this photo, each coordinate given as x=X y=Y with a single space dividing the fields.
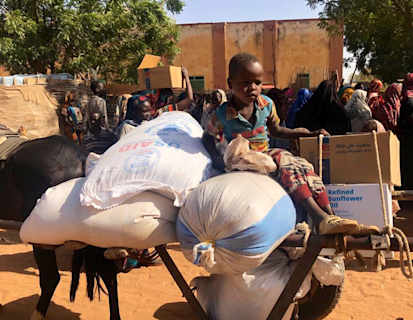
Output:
x=253 y=116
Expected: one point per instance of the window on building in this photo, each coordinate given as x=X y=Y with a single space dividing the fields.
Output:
x=303 y=80
x=197 y=82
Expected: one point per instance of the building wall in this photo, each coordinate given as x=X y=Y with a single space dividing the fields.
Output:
x=3 y=72
x=244 y=37
x=285 y=49
x=302 y=47
x=197 y=51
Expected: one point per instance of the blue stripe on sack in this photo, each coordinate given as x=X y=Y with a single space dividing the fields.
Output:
x=258 y=238
x=185 y=236
x=261 y=236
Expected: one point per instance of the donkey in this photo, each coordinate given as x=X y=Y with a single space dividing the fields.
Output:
x=29 y=171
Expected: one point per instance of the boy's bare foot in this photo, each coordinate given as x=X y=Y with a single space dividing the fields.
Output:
x=364 y=231
x=337 y=225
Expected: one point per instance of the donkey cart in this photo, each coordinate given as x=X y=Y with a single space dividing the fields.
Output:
x=319 y=301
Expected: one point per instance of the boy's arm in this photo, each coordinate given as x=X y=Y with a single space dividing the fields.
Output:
x=183 y=105
x=277 y=131
x=217 y=159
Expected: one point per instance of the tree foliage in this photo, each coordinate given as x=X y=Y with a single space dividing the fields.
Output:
x=75 y=35
x=379 y=33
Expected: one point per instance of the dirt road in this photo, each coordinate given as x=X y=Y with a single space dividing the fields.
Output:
x=150 y=293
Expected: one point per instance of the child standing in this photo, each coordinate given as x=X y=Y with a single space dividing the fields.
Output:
x=254 y=116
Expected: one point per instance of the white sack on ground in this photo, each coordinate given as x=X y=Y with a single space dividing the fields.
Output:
x=145 y=220
x=165 y=155
x=231 y=223
x=250 y=295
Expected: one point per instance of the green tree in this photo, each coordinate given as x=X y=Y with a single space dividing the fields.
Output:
x=379 y=33
x=75 y=35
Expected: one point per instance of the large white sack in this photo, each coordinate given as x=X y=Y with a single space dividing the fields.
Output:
x=251 y=295
x=231 y=223
x=145 y=220
x=165 y=155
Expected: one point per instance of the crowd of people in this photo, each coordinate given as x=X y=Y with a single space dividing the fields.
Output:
x=272 y=123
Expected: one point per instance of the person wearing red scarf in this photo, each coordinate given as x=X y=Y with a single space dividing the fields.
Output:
x=374 y=99
x=388 y=112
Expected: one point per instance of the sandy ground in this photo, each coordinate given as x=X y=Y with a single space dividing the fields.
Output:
x=150 y=293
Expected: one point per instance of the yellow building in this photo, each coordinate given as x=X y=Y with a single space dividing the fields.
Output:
x=291 y=51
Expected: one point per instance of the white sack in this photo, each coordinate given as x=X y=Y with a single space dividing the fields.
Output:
x=327 y=271
x=145 y=220
x=231 y=223
x=165 y=155
x=251 y=295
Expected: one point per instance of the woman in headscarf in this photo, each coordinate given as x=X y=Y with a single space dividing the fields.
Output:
x=358 y=110
x=343 y=87
x=279 y=98
x=73 y=115
x=388 y=112
x=283 y=101
x=218 y=98
x=406 y=132
x=324 y=111
x=303 y=96
x=139 y=109
x=346 y=95
x=374 y=98
x=288 y=99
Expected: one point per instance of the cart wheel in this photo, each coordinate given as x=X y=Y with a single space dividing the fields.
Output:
x=320 y=300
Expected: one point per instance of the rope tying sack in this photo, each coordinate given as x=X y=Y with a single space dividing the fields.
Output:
x=305 y=230
x=379 y=260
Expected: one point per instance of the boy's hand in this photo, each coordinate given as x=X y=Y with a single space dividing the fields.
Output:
x=321 y=131
x=185 y=72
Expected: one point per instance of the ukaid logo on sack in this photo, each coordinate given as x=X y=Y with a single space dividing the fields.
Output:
x=165 y=155
x=168 y=129
x=142 y=160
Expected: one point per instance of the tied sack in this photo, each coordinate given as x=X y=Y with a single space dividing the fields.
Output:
x=253 y=294
x=231 y=223
x=165 y=155
x=143 y=221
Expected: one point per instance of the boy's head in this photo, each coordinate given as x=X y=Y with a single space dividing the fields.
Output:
x=96 y=119
x=142 y=109
x=98 y=88
x=245 y=77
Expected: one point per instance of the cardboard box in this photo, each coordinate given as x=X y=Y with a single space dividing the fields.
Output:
x=361 y=202
x=351 y=158
x=152 y=76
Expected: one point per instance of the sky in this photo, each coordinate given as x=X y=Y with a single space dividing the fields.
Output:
x=197 y=11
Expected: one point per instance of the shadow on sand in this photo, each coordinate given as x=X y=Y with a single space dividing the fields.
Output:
x=174 y=311
x=24 y=307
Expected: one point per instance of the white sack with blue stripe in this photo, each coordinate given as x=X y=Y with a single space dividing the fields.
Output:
x=231 y=223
